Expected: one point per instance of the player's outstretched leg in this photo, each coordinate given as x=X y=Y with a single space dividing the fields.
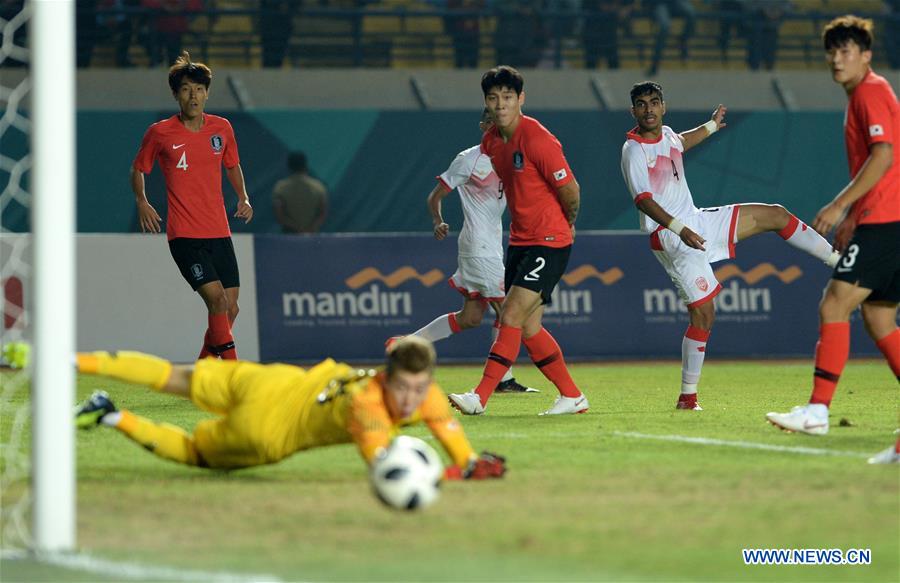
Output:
x=135 y=367
x=163 y=440
x=548 y=357
x=759 y=218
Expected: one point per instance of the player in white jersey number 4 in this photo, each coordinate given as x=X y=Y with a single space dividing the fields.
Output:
x=479 y=275
x=685 y=239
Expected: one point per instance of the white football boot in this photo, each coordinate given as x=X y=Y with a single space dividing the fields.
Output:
x=568 y=405
x=467 y=403
x=888 y=456
x=811 y=419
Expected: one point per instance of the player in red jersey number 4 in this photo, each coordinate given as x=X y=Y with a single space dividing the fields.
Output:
x=191 y=148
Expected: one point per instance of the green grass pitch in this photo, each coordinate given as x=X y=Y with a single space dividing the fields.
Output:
x=581 y=502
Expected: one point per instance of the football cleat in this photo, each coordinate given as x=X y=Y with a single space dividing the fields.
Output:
x=511 y=386
x=467 y=403
x=887 y=456
x=89 y=413
x=811 y=419
x=688 y=402
x=568 y=405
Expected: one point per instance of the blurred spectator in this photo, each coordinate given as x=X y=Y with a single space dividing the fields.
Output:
x=465 y=31
x=892 y=33
x=276 y=22
x=601 y=30
x=119 y=25
x=518 y=39
x=168 y=22
x=763 y=20
x=662 y=12
x=85 y=31
x=559 y=20
x=732 y=14
x=300 y=201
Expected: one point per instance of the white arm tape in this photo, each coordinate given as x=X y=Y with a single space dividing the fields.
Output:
x=676 y=226
x=711 y=127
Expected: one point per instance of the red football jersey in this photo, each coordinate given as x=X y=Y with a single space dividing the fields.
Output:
x=191 y=163
x=873 y=116
x=532 y=167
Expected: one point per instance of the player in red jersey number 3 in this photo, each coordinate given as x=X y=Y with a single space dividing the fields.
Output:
x=191 y=148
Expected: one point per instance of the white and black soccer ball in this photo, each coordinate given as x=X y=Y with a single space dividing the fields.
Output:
x=408 y=475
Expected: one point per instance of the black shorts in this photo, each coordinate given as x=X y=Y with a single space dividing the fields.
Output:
x=202 y=261
x=872 y=260
x=536 y=267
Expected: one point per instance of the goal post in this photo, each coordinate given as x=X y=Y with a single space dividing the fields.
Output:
x=52 y=70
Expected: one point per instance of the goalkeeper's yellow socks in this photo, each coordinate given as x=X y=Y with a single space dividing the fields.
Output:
x=164 y=440
x=134 y=367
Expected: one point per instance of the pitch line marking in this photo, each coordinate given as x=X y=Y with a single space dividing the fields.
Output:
x=124 y=570
x=742 y=444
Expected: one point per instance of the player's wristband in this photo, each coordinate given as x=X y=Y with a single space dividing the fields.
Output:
x=711 y=127
x=676 y=226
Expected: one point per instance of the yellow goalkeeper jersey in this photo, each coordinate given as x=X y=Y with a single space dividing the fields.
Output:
x=276 y=410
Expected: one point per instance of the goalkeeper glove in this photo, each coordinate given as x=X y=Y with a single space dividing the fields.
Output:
x=487 y=465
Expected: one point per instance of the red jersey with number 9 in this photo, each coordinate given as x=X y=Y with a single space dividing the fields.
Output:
x=531 y=166
x=191 y=163
x=873 y=116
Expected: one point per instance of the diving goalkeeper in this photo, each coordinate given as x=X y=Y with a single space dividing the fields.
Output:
x=265 y=413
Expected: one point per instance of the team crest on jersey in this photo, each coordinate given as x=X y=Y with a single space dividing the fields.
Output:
x=702 y=283
x=216 y=142
x=197 y=271
x=518 y=160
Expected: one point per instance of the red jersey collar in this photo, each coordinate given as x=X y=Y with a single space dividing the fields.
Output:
x=633 y=135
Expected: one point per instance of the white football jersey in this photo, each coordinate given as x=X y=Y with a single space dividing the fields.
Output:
x=483 y=203
x=656 y=168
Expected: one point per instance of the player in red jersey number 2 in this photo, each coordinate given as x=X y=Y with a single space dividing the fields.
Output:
x=191 y=148
x=543 y=198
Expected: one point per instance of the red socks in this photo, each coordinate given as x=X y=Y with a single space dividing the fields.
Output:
x=547 y=356
x=832 y=352
x=454 y=325
x=218 y=340
x=890 y=348
x=503 y=355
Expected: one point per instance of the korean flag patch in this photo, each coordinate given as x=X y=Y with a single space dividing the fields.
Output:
x=560 y=174
x=876 y=130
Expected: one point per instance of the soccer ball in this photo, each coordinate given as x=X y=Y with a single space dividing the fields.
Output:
x=408 y=475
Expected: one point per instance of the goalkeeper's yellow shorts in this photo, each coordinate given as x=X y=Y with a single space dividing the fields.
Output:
x=251 y=398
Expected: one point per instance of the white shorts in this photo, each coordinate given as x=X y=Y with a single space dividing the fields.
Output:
x=479 y=278
x=690 y=268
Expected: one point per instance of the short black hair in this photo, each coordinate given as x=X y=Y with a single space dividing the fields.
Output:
x=297 y=161
x=646 y=88
x=844 y=29
x=184 y=67
x=502 y=76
